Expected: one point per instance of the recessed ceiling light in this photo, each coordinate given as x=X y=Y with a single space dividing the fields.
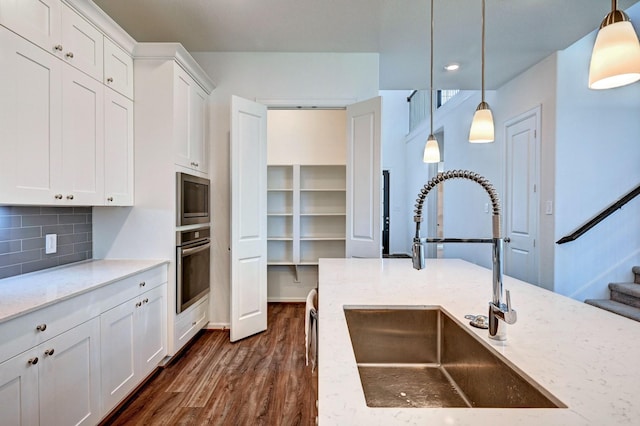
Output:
x=452 y=67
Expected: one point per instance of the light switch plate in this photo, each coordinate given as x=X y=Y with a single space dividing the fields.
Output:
x=50 y=243
x=549 y=207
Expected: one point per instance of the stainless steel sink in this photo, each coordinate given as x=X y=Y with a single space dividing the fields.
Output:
x=421 y=357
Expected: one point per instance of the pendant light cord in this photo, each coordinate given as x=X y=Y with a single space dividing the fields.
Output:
x=431 y=73
x=483 y=1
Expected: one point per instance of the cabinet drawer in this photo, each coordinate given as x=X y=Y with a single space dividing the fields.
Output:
x=190 y=321
x=128 y=288
x=29 y=330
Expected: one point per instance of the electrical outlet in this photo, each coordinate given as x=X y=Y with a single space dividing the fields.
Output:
x=51 y=243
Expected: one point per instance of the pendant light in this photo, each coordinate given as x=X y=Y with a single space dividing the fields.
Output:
x=431 y=148
x=615 y=60
x=482 y=124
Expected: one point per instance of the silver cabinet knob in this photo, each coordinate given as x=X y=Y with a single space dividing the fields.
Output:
x=49 y=351
x=58 y=47
x=146 y=300
x=69 y=55
x=143 y=283
x=41 y=327
x=109 y=80
x=138 y=304
x=33 y=361
x=193 y=323
x=70 y=197
x=58 y=196
x=110 y=199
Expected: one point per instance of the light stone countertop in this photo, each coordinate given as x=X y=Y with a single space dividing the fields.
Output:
x=586 y=357
x=25 y=293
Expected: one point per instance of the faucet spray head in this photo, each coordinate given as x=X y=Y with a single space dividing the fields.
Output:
x=417 y=253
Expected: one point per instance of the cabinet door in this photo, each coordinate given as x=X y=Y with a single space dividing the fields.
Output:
x=70 y=376
x=82 y=43
x=118 y=69
x=198 y=123
x=118 y=149
x=30 y=117
x=151 y=326
x=182 y=116
x=117 y=348
x=83 y=139
x=19 y=390
x=36 y=20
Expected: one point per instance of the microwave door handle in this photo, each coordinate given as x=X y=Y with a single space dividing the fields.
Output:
x=190 y=251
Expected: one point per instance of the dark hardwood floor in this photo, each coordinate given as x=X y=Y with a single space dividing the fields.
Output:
x=261 y=380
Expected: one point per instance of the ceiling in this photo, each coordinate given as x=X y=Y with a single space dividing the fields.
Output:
x=519 y=32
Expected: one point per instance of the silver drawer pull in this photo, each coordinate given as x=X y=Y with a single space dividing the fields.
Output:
x=110 y=199
x=146 y=300
x=41 y=327
x=193 y=323
x=33 y=361
x=49 y=351
x=138 y=304
x=69 y=55
x=143 y=283
x=109 y=80
x=70 y=197
x=58 y=47
x=58 y=196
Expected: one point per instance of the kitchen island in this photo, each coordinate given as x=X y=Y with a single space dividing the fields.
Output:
x=586 y=357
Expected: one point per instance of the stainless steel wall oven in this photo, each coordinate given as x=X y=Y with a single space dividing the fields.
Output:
x=193 y=266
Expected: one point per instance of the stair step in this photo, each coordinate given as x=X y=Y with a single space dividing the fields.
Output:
x=616 y=307
x=628 y=293
x=636 y=271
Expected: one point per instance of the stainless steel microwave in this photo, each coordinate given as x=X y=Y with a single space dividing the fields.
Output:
x=193 y=200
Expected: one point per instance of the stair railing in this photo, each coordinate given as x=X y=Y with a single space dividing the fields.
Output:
x=600 y=216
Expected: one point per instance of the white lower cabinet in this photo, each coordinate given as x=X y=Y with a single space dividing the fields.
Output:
x=189 y=322
x=72 y=362
x=69 y=370
x=133 y=342
x=19 y=390
x=56 y=382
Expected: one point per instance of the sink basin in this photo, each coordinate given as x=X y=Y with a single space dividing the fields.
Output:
x=422 y=357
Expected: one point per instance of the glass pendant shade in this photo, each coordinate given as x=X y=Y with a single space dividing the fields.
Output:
x=431 y=150
x=482 y=125
x=615 y=60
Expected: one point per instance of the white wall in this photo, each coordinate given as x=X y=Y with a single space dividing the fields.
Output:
x=268 y=76
x=597 y=162
x=395 y=125
x=464 y=201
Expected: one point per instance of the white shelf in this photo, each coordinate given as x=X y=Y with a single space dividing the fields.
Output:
x=306 y=213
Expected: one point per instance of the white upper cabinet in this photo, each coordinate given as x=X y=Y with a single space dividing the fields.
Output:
x=82 y=139
x=35 y=20
x=53 y=107
x=82 y=44
x=118 y=149
x=190 y=103
x=118 y=69
x=30 y=122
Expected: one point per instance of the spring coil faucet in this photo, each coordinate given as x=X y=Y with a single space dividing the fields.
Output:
x=499 y=312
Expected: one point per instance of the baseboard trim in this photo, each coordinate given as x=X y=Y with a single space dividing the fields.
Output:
x=218 y=326
x=286 y=299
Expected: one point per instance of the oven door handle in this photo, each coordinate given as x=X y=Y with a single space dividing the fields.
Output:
x=194 y=250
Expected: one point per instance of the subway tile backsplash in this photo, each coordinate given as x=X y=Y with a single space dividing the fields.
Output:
x=22 y=237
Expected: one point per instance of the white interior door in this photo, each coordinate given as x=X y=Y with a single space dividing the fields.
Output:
x=521 y=255
x=248 y=218
x=364 y=175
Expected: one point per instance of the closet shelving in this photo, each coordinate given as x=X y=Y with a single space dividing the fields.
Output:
x=306 y=213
